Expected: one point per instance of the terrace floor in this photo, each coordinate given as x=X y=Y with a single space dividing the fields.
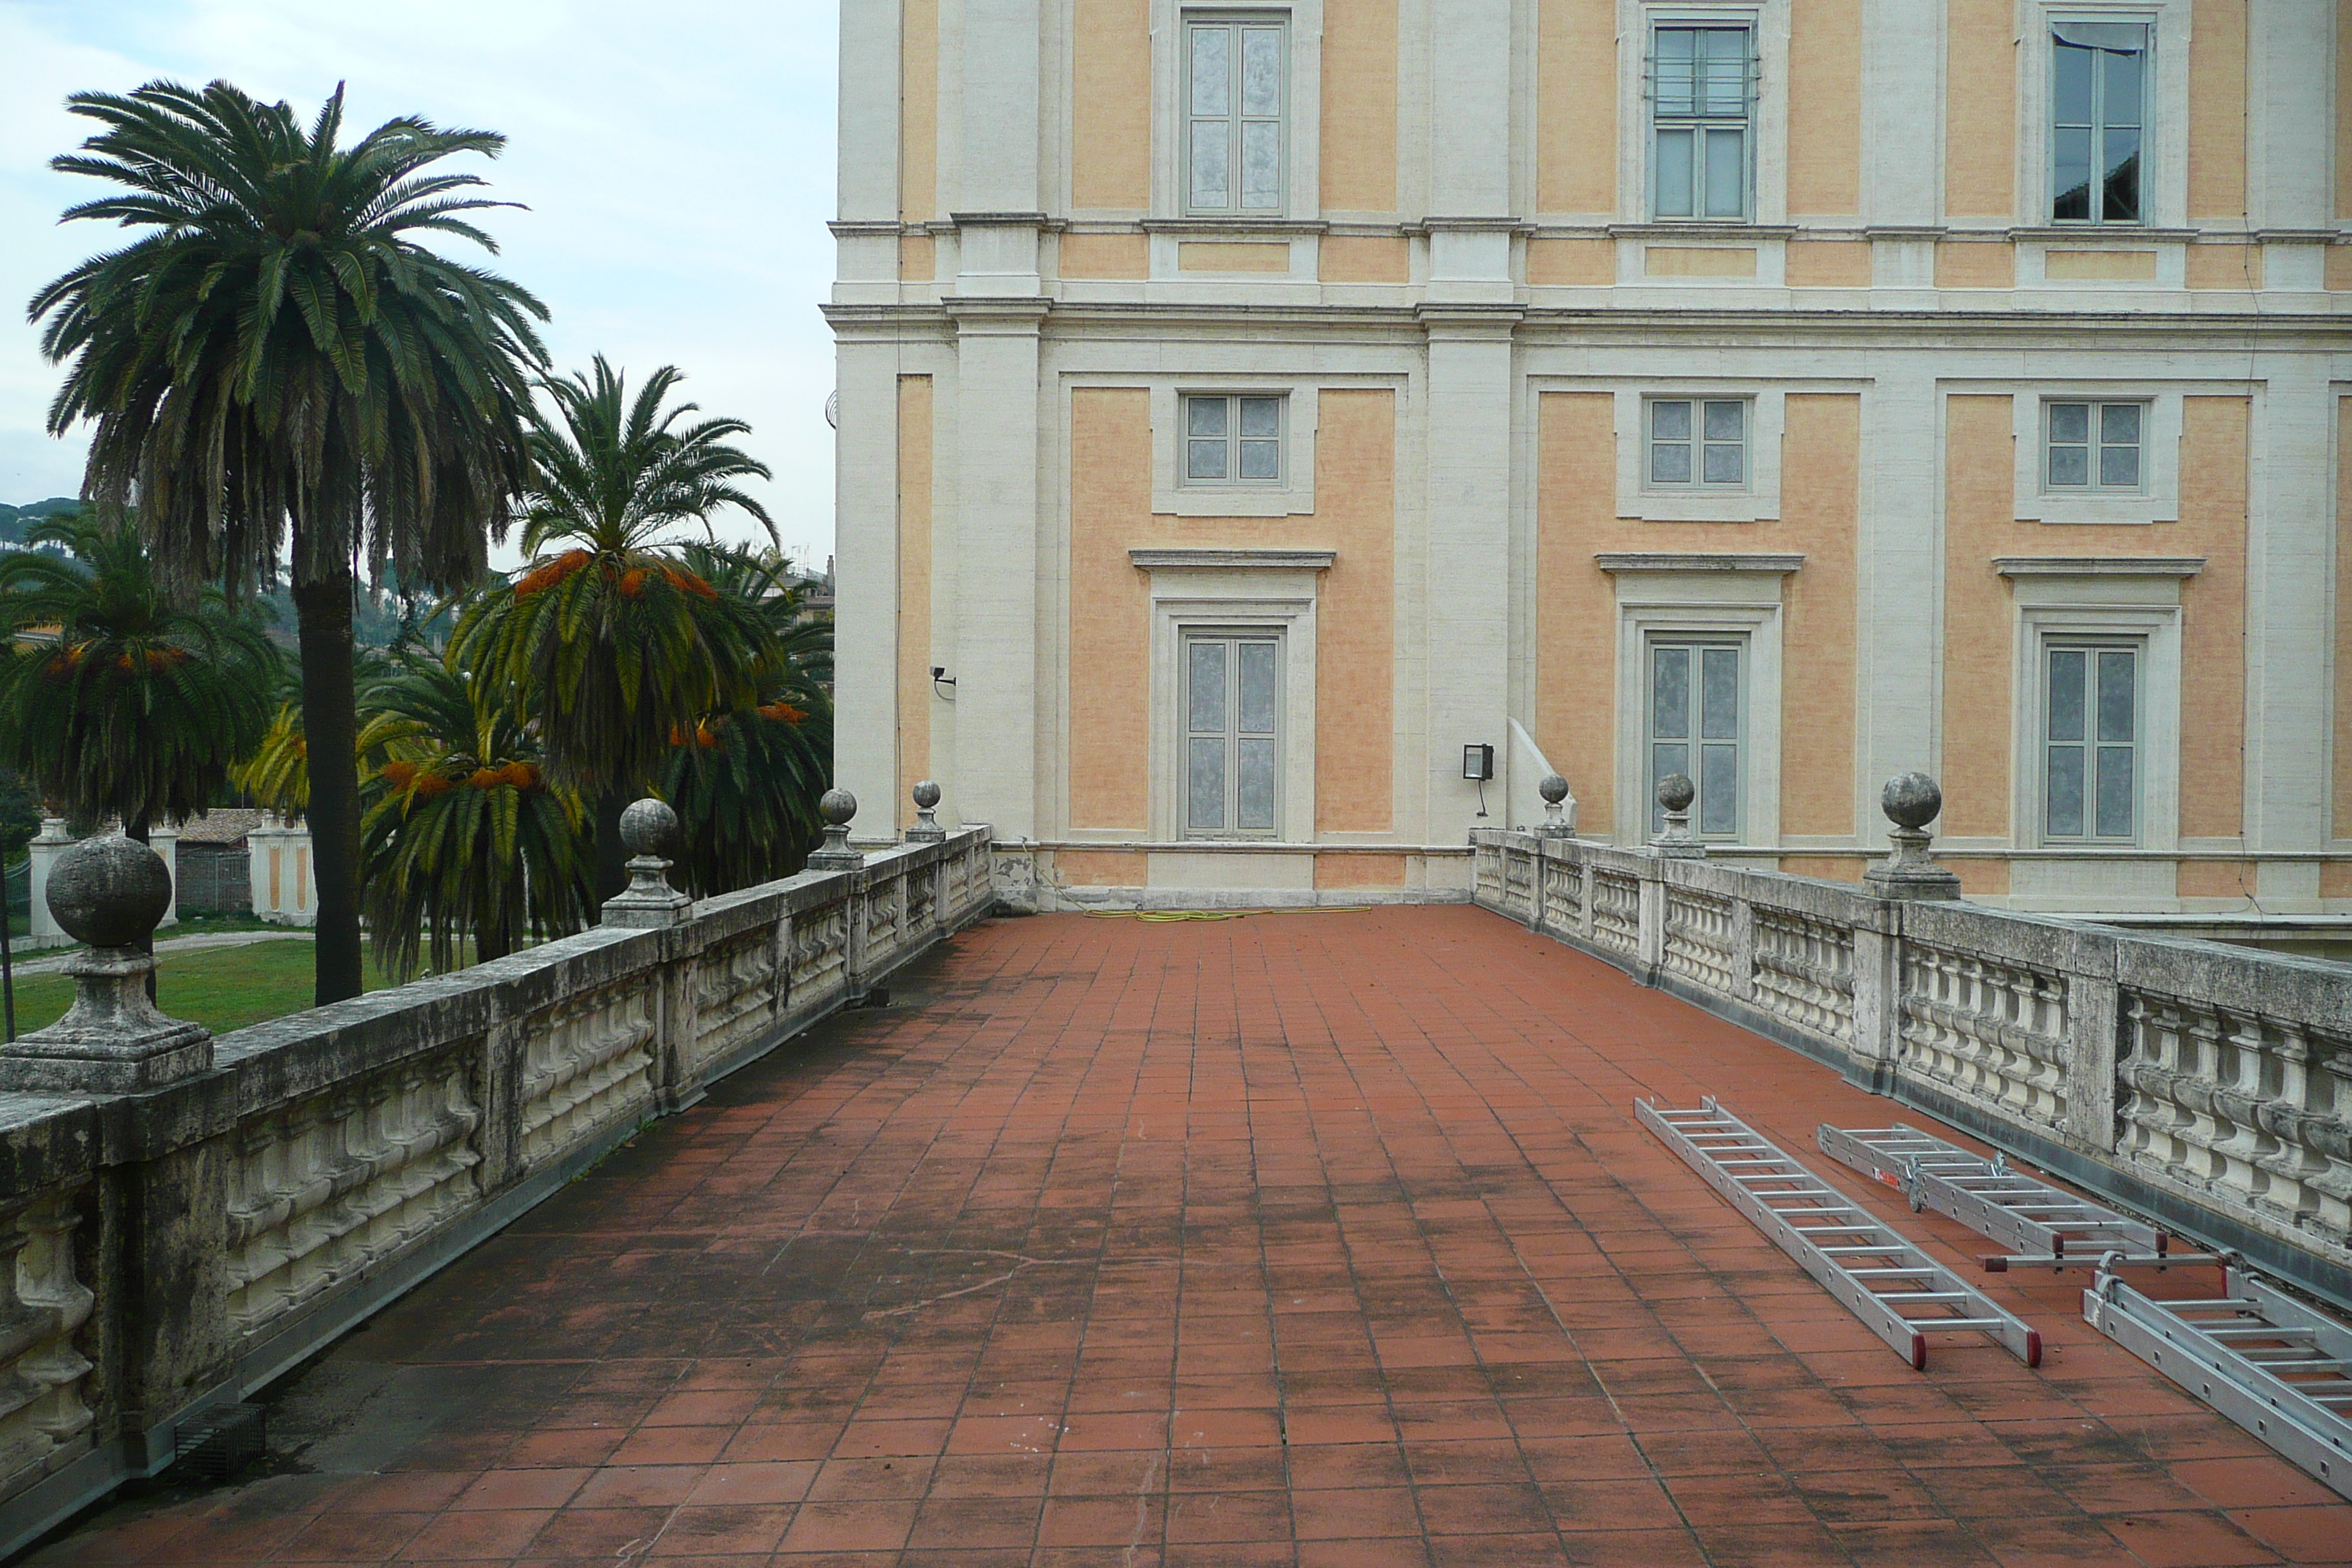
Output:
x=1298 y=1239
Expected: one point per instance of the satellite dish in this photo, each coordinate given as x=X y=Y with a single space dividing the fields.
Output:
x=833 y=409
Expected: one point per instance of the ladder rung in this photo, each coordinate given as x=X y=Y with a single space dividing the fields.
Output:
x=1941 y=1323
x=1850 y=1251
x=1921 y=1298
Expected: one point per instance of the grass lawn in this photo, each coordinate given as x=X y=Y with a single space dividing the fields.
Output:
x=222 y=988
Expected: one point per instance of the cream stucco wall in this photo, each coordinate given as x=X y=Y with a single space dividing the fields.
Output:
x=1465 y=303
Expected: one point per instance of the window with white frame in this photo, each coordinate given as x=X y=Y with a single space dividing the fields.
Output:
x=1236 y=88
x=2090 y=730
x=2098 y=121
x=1697 y=443
x=1232 y=735
x=1697 y=702
x=1702 y=110
x=2094 y=449
x=1233 y=439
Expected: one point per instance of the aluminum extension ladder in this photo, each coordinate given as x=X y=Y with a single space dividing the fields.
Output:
x=1900 y=1293
x=2276 y=1367
x=2043 y=1227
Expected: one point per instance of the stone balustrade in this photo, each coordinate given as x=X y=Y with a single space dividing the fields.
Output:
x=164 y=1251
x=2208 y=1085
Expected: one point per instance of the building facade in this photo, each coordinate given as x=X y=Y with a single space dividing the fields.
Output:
x=1251 y=410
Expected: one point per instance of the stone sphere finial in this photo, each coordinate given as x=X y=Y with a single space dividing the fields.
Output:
x=649 y=827
x=1553 y=788
x=1675 y=792
x=110 y=891
x=838 y=805
x=1911 y=800
x=927 y=795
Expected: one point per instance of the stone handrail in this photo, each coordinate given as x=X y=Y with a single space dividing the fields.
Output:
x=168 y=1251
x=2208 y=1085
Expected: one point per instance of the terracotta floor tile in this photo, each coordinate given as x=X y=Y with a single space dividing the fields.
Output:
x=2185 y=1540
x=1275 y=1240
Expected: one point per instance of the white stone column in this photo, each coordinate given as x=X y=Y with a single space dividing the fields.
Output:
x=997 y=502
x=165 y=842
x=865 y=575
x=43 y=853
x=1469 y=464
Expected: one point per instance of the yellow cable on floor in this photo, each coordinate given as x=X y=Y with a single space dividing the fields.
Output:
x=1224 y=914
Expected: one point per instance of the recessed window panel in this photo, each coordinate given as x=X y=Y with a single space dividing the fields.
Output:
x=2090 y=769
x=1237 y=125
x=1230 y=440
x=1233 y=745
x=1695 y=723
x=2098 y=81
x=1698 y=443
x=2094 y=447
x=1702 y=99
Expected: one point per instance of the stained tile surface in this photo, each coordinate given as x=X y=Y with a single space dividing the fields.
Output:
x=1293 y=1239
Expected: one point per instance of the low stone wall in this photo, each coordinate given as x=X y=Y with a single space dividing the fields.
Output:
x=2209 y=1087
x=168 y=1251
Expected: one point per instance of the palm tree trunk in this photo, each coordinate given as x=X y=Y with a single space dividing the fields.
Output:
x=323 y=613
x=612 y=855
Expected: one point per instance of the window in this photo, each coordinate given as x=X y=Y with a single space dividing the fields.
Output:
x=1694 y=729
x=1702 y=95
x=2092 y=447
x=1231 y=736
x=1234 y=92
x=2091 y=746
x=2098 y=91
x=1233 y=440
x=1698 y=442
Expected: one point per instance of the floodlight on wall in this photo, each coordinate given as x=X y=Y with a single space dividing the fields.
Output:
x=941 y=679
x=1477 y=767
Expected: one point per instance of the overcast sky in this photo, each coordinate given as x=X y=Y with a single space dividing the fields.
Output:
x=677 y=160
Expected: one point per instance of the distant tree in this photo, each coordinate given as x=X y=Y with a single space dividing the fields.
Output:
x=115 y=700
x=745 y=781
x=619 y=640
x=464 y=837
x=280 y=370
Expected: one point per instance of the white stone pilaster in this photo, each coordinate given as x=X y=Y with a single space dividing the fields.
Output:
x=866 y=582
x=999 y=50
x=1902 y=112
x=1470 y=129
x=2290 y=526
x=1899 y=561
x=2291 y=50
x=1468 y=598
x=165 y=842
x=997 y=565
x=42 y=853
x=868 y=155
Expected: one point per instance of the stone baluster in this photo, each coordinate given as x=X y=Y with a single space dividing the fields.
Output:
x=649 y=827
x=1911 y=801
x=108 y=892
x=926 y=829
x=1675 y=793
x=837 y=807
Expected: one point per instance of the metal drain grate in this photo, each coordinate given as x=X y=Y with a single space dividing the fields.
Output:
x=219 y=1442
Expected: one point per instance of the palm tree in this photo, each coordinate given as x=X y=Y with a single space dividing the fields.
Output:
x=278 y=370
x=463 y=835
x=619 y=638
x=115 y=700
x=746 y=780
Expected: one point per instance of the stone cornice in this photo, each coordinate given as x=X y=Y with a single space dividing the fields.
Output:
x=1260 y=559
x=1614 y=560
x=2098 y=566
